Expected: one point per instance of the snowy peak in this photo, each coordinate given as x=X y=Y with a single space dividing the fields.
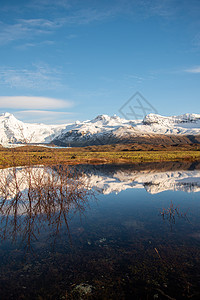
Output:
x=13 y=131
x=157 y=119
x=101 y=130
x=111 y=130
x=107 y=120
x=101 y=118
x=188 y=118
x=6 y=115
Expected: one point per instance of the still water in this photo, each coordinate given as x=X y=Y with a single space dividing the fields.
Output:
x=110 y=232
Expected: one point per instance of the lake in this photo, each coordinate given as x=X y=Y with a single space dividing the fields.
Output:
x=110 y=232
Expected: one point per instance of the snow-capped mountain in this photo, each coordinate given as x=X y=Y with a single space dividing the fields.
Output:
x=109 y=130
x=13 y=131
x=101 y=130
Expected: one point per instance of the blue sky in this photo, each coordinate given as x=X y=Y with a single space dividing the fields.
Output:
x=66 y=60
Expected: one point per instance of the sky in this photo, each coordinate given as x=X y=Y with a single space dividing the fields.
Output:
x=68 y=60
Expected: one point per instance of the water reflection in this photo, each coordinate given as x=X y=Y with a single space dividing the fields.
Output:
x=121 y=249
x=156 y=178
x=33 y=198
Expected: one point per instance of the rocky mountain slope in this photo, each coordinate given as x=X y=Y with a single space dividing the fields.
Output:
x=153 y=129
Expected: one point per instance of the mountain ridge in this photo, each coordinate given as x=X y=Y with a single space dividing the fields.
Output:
x=102 y=130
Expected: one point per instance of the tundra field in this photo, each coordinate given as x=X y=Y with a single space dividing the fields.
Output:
x=37 y=155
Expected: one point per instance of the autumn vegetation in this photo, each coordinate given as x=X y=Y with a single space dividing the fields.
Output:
x=38 y=155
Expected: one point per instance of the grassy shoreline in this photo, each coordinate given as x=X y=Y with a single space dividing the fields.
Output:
x=40 y=155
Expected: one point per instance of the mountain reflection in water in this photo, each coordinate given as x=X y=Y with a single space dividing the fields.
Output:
x=139 y=239
x=32 y=197
x=108 y=180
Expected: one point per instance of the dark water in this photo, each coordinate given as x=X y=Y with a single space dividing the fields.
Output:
x=138 y=238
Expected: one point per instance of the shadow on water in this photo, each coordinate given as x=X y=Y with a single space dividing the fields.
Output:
x=122 y=248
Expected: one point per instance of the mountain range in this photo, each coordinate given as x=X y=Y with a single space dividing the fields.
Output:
x=103 y=130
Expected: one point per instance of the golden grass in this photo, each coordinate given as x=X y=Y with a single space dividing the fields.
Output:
x=43 y=156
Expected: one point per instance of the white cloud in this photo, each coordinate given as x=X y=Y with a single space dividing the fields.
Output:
x=39 y=76
x=45 y=116
x=86 y=16
x=28 y=29
x=26 y=102
x=43 y=112
x=194 y=70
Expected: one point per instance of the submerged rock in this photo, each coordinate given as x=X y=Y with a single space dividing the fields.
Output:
x=83 y=289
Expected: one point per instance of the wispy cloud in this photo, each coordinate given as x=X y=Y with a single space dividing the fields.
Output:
x=164 y=8
x=33 y=103
x=44 y=112
x=60 y=13
x=49 y=4
x=72 y=15
x=35 y=44
x=45 y=116
x=27 y=29
x=134 y=78
x=38 y=76
x=194 y=70
x=86 y=16
x=145 y=8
